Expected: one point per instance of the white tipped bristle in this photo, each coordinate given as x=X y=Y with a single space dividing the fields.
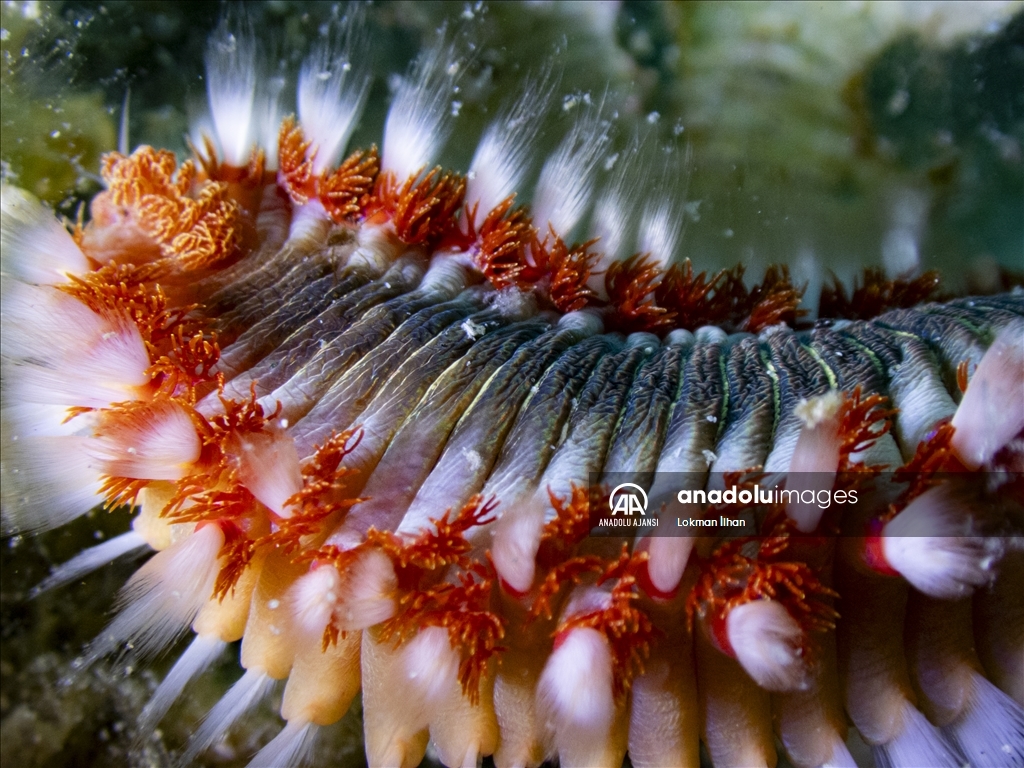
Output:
x=918 y=743
x=768 y=642
x=41 y=324
x=815 y=459
x=40 y=493
x=575 y=688
x=231 y=75
x=664 y=216
x=292 y=747
x=155 y=442
x=89 y=560
x=164 y=596
x=669 y=555
x=333 y=85
x=313 y=598
x=990 y=730
x=201 y=652
x=933 y=545
x=420 y=119
x=431 y=665
x=58 y=351
x=566 y=183
x=269 y=468
x=267 y=117
x=516 y=539
x=502 y=157
x=616 y=208
x=34 y=246
x=368 y=596
x=107 y=372
x=244 y=695
x=42 y=420
x=992 y=410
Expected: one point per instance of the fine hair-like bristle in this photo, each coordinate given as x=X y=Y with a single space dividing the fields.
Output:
x=936 y=545
x=993 y=412
x=245 y=694
x=567 y=180
x=990 y=731
x=35 y=247
x=420 y=119
x=91 y=559
x=575 y=695
x=503 y=156
x=333 y=85
x=163 y=597
x=769 y=643
x=918 y=743
x=199 y=655
x=233 y=64
x=294 y=746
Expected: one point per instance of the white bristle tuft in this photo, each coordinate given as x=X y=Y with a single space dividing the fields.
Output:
x=41 y=493
x=269 y=468
x=420 y=119
x=566 y=183
x=990 y=730
x=201 y=652
x=243 y=696
x=768 y=643
x=162 y=598
x=575 y=688
x=616 y=208
x=266 y=120
x=919 y=743
x=368 y=596
x=430 y=665
x=58 y=351
x=291 y=748
x=992 y=410
x=232 y=72
x=41 y=420
x=155 y=442
x=109 y=371
x=663 y=220
x=89 y=560
x=34 y=314
x=516 y=540
x=502 y=157
x=333 y=85
x=34 y=246
x=668 y=558
x=934 y=545
x=313 y=598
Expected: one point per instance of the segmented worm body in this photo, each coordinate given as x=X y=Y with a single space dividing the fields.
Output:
x=369 y=414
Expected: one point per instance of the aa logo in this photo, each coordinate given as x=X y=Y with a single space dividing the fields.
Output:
x=628 y=498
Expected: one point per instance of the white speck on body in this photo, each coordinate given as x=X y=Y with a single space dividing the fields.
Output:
x=473 y=459
x=472 y=330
